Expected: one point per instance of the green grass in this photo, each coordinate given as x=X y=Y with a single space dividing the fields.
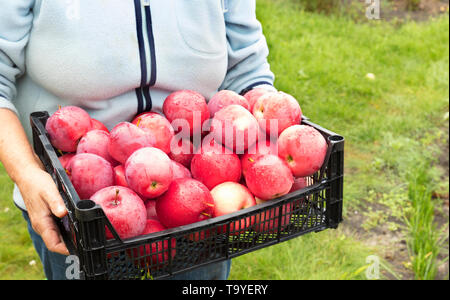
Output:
x=18 y=259
x=327 y=255
x=392 y=124
x=323 y=62
x=425 y=241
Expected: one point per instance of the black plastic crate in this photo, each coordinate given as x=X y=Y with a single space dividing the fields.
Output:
x=163 y=254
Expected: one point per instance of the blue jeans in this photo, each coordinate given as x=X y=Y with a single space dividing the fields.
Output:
x=55 y=264
x=216 y=271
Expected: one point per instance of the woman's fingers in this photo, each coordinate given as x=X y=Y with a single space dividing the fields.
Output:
x=54 y=201
x=43 y=202
x=52 y=237
x=49 y=231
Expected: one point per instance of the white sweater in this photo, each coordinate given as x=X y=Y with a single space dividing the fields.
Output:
x=117 y=58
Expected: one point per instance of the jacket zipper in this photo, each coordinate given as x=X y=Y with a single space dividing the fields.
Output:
x=147 y=55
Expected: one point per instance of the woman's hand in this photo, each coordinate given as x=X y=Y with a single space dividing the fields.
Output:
x=42 y=200
x=39 y=192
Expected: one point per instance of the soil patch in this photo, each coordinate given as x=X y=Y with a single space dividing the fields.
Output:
x=392 y=243
x=422 y=11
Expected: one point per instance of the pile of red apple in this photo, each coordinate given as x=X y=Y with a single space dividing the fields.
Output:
x=195 y=161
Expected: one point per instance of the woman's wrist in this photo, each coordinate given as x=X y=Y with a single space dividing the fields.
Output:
x=16 y=153
x=21 y=173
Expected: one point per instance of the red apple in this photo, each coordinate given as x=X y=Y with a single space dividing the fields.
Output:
x=224 y=98
x=303 y=148
x=277 y=109
x=187 y=201
x=149 y=172
x=182 y=151
x=267 y=221
x=119 y=176
x=125 y=138
x=89 y=173
x=96 y=142
x=125 y=210
x=66 y=127
x=159 y=126
x=186 y=108
x=150 y=206
x=257 y=150
x=65 y=159
x=180 y=171
x=299 y=183
x=96 y=124
x=253 y=95
x=231 y=197
x=269 y=177
x=156 y=253
x=213 y=165
x=235 y=127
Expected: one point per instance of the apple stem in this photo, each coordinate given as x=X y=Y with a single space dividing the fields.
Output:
x=116 y=200
x=60 y=152
x=138 y=122
x=208 y=204
x=206 y=214
x=59 y=106
x=276 y=195
x=67 y=172
x=79 y=141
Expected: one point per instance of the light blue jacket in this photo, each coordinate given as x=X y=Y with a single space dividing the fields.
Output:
x=117 y=58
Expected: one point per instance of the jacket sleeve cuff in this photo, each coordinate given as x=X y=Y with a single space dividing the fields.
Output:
x=260 y=84
x=7 y=104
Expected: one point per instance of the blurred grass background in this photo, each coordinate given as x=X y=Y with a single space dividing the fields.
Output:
x=395 y=122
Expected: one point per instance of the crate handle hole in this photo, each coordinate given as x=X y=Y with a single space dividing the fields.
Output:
x=39 y=114
x=86 y=204
x=336 y=138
